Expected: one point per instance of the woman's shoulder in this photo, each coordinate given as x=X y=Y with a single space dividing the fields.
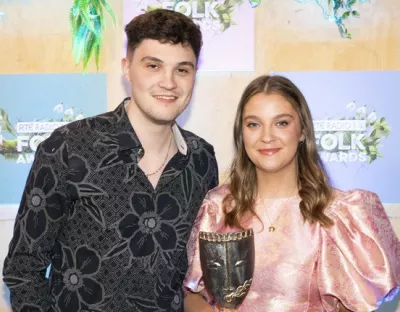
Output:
x=353 y=199
x=213 y=202
x=218 y=193
x=353 y=195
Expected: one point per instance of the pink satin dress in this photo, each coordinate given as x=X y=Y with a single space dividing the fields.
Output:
x=303 y=267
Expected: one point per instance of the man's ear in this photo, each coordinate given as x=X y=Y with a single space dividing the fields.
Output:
x=125 y=66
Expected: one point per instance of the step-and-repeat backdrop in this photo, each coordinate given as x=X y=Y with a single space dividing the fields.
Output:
x=31 y=107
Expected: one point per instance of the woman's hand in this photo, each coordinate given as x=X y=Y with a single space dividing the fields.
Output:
x=196 y=303
x=342 y=308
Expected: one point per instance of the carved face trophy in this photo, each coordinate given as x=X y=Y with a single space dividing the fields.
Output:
x=227 y=261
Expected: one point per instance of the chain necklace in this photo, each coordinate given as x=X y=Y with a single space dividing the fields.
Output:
x=272 y=225
x=165 y=160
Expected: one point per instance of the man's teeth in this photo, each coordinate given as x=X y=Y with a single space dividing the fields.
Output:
x=165 y=97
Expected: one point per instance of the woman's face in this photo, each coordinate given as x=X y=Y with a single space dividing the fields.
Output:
x=271 y=131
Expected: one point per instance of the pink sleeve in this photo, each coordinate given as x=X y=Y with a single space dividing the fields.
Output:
x=205 y=221
x=359 y=262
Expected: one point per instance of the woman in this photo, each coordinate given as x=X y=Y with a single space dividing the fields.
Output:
x=317 y=248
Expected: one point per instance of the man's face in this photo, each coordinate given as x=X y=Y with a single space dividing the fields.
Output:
x=162 y=77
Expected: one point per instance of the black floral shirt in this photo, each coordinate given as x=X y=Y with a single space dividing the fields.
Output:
x=113 y=241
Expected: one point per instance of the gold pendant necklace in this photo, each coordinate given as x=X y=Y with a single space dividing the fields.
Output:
x=272 y=227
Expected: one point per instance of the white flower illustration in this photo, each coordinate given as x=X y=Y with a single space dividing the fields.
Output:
x=351 y=106
x=372 y=117
x=79 y=117
x=69 y=112
x=58 y=108
x=361 y=110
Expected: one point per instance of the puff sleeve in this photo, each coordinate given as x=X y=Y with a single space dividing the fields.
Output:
x=359 y=260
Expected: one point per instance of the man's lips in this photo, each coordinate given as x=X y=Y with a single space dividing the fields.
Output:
x=165 y=97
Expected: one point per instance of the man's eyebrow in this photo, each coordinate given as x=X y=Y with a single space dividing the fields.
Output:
x=186 y=63
x=154 y=59
x=151 y=58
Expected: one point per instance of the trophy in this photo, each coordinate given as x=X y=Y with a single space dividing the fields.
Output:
x=227 y=261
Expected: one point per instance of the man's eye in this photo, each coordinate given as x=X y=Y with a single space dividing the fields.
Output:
x=183 y=71
x=152 y=66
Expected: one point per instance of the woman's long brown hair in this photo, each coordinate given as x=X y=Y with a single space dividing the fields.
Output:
x=314 y=187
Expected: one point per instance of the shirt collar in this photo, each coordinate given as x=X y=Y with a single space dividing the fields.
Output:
x=179 y=138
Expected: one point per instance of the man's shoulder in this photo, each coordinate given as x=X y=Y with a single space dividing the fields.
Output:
x=196 y=142
x=86 y=131
x=101 y=123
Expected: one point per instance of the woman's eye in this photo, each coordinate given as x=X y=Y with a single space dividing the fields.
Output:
x=282 y=123
x=252 y=125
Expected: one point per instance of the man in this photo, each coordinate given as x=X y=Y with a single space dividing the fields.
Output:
x=110 y=200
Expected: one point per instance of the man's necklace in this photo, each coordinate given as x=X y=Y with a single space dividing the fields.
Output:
x=164 y=162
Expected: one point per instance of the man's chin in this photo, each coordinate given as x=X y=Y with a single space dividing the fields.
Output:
x=163 y=120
